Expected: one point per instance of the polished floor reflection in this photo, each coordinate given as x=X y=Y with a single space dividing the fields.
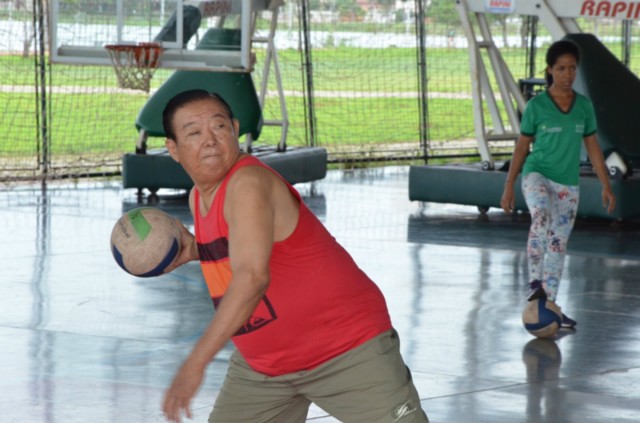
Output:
x=84 y=342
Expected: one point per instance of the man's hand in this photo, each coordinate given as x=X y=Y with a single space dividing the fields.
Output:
x=188 y=248
x=177 y=399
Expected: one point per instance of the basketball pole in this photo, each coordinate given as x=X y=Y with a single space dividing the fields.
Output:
x=42 y=95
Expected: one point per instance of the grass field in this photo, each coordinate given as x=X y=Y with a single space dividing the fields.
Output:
x=390 y=75
x=335 y=69
x=362 y=97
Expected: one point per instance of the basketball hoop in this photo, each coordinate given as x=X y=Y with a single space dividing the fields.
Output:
x=134 y=63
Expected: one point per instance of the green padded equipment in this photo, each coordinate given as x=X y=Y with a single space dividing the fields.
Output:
x=460 y=184
x=614 y=91
x=156 y=169
x=236 y=88
x=470 y=185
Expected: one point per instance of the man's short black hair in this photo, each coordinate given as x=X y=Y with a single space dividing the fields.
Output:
x=184 y=98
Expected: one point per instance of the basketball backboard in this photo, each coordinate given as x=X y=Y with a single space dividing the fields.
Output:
x=80 y=30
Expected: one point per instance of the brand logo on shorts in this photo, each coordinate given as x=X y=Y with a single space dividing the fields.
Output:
x=403 y=410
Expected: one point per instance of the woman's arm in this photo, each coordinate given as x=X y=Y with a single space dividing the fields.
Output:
x=597 y=160
x=517 y=161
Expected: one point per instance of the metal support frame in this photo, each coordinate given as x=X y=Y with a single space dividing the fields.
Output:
x=272 y=59
x=626 y=42
x=481 y=88
x=421 y=55
x=311 y=125
x=43 y=89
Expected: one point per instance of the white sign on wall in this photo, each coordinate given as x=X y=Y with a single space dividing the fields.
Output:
x=500 y=6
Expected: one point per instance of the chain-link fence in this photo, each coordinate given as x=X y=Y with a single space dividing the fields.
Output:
x=368 y=80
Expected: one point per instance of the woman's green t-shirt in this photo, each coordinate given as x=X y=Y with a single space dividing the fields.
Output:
x=558 y=136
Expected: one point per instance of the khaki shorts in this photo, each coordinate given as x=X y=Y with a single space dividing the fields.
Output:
x=369 y=384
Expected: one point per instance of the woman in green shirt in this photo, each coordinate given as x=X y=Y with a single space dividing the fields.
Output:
x=553 y=127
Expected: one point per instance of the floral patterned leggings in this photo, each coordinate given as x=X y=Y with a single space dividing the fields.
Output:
x=553 y=209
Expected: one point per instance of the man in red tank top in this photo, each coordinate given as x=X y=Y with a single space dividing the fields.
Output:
x=308 y=325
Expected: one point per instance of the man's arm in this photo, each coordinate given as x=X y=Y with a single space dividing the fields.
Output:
x=250 y=213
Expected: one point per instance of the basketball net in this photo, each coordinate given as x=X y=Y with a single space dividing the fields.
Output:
x=134 y=64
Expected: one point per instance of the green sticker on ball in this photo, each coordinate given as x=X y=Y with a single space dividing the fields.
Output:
x=139 y=223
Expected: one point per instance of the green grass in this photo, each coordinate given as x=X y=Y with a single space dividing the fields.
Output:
x=103 y=123
x=81 y=124
x=86 y=122
x=343 y=68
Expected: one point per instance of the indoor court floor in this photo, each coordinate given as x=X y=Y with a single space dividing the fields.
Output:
x=82 y=341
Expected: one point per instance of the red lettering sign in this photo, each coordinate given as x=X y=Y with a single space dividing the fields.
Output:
x=611 y=9
x=587 y=8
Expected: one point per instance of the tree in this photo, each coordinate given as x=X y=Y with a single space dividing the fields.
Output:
x=348 y=8
x=444 y=12
x=27 y=25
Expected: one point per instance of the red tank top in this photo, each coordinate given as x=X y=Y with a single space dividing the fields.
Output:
x=318 y=305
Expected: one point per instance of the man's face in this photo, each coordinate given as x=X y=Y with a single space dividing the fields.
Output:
x=206 y=143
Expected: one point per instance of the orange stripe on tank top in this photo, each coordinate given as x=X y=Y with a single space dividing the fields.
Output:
x=217 y=276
